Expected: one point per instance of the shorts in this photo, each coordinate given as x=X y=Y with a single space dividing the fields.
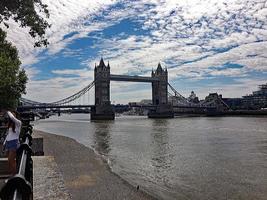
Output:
x=11 y=145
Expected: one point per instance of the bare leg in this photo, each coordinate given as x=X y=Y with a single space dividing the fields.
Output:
x=12 y=161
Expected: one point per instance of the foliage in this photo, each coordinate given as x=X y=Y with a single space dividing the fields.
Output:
x=24 y=13
x=12 y=79
x=27 y=13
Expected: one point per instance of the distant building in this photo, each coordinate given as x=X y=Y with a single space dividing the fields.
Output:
x=215 y=99
x=139 y=110
x=193 y=98
x=256 y=100
x=146 y=102
x=173 y=100
x=234 y=103
x=141 y=103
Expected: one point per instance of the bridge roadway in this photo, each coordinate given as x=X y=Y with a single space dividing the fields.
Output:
x=114 y=77
x=50 y=106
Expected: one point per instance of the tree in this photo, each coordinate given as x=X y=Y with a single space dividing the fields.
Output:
x=24 y=13
x=12 y=79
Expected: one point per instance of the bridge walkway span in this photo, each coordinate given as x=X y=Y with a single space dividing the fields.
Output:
x=114 y=77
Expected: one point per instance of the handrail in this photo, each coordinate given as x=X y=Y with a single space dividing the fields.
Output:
x=19 y=187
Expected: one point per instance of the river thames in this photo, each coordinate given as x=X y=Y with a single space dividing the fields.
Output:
x=181 y=158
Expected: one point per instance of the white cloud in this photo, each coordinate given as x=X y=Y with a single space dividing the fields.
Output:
x=170 y=21
x=31 y=72
x=78 y=72
x=54 y=89
x=191 y=38
x=65 y=17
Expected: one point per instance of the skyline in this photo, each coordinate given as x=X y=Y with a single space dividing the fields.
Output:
x=207 y=46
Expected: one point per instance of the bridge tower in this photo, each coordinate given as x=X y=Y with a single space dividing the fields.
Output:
x=103 y=108
x=160 y=94
x=160 y=88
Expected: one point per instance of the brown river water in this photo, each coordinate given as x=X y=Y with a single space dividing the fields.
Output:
x=182 y=158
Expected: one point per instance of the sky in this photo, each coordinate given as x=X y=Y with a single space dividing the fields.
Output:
x=206 y=45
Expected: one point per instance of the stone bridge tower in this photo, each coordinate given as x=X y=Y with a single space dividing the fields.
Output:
x=102 y=109
x=160 y=88
x=160 y=94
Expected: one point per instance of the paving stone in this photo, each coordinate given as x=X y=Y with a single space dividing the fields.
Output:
x=47 y=180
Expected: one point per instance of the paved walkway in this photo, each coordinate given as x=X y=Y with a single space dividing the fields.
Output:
x=47 y=180
x=86 y=175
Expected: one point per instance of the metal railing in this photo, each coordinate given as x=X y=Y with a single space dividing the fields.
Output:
x=19 y=186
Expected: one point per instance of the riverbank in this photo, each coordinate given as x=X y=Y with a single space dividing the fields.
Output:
x=85 y=174
x=228 y=113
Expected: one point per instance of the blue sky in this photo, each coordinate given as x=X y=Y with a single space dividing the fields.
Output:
x=207 y=46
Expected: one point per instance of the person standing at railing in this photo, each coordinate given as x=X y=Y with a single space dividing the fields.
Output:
x=12 y=141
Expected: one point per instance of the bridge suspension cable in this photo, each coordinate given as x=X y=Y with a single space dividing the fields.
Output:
x=74 y=96
x=62 y=101
x=180 y=98
x=29 y=102
x=177 y=94
x=177 y=98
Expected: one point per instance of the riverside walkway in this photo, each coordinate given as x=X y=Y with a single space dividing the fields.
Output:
x=78 y=173
x=47 y=180
x=69 y=170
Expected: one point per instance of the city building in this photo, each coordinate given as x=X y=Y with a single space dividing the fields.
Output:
x=137 y=108
x=234 y=103
x=256 y=100
x=193 y=98
x=215 y=99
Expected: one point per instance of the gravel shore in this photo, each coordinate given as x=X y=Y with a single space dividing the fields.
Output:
x=85 y=174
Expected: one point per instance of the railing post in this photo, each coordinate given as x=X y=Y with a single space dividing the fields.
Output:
x=19 y=187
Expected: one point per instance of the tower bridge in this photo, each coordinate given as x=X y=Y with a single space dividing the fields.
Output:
x=159 y=80
x=102 y=109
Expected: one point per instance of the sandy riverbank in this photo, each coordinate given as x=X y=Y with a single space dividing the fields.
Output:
x=86 y=175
